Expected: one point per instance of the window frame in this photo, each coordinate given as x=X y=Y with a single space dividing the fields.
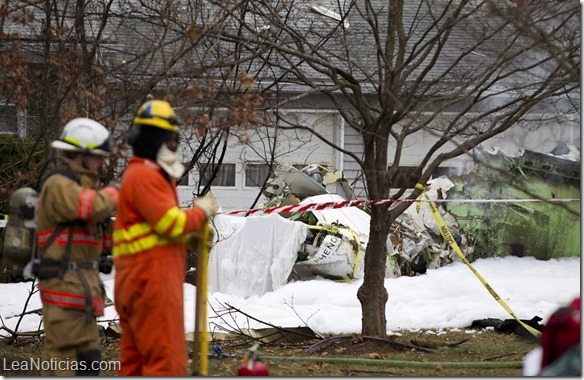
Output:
x=17 y=127
x=256 y=163
x=185 y=178
x=200 y=166
x=403 y=172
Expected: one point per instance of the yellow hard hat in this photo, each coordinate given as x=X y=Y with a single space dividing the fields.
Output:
x=157 y=113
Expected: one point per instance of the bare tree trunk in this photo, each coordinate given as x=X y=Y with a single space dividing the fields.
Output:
x=372 y=294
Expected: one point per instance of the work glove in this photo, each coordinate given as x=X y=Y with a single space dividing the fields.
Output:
x=208 y=204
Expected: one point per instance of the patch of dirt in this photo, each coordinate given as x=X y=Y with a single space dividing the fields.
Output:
x=420 y=353
x=358 y=347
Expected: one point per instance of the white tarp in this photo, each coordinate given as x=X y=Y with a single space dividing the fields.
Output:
x=253 y=255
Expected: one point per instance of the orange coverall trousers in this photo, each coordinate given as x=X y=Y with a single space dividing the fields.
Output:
x=149 y=299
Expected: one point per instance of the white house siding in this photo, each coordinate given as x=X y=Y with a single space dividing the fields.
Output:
x=295 y=147
x=540 y=136
x=351 y=170
x=299 y=147
x=415 y=147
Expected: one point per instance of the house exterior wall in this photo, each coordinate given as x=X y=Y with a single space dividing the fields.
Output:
x=541 y=135
x=299 y=148
x=294 y=147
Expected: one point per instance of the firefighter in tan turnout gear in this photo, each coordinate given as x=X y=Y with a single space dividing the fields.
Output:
x=73 y=211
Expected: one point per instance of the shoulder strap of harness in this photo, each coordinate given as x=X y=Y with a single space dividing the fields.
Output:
x=64 y=172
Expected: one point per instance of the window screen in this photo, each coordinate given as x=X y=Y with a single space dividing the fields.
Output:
x=405 y=177
x=8 y=121
x=225 y=176
x=256 y=174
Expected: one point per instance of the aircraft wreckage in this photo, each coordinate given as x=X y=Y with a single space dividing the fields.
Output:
x=259 y=253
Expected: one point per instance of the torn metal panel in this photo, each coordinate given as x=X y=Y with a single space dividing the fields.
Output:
x=334 y=241
x=337 y=238
x=539 y=229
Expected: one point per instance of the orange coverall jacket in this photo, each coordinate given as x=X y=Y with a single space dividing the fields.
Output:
x=150 y=262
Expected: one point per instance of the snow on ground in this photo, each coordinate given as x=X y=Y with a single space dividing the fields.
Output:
x=447 y=297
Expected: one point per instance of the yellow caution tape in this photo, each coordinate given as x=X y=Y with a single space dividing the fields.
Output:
x=447 y=235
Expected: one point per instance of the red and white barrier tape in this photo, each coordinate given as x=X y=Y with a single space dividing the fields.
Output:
x=359 y=203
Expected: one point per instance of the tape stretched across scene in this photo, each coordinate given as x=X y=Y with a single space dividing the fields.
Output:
x=363 y=203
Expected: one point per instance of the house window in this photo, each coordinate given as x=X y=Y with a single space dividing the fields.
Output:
x=405 y=177
x=8 y=119
x=225 y=176
x=184 y=180
x=256 y=174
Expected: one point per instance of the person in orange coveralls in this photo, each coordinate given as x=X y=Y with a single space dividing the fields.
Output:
x=149 y=247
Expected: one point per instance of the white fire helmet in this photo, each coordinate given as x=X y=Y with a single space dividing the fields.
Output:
x=84 y=135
